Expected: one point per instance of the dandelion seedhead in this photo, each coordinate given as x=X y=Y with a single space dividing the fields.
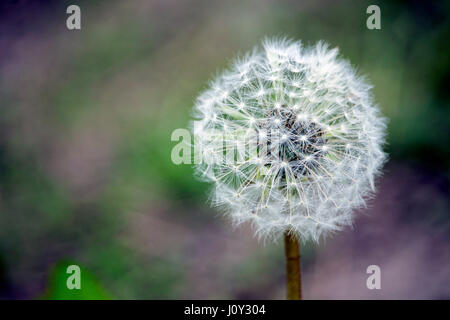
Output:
x=291 y=139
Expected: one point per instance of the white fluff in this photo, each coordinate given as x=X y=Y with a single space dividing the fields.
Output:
x=317 y=134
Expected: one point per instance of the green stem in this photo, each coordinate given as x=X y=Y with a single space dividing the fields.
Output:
x=293 y=272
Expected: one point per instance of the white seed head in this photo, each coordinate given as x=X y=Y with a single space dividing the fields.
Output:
x=291 y=139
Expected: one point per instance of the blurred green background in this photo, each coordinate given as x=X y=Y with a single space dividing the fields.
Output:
x=85 y=172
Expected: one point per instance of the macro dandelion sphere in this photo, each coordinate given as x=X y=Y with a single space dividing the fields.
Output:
x=291 y=139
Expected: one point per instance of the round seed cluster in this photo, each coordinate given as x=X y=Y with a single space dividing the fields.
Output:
x=291 y=139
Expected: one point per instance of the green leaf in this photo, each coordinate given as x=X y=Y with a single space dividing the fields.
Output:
x=57 y=289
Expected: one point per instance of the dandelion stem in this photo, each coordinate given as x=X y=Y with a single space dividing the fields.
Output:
x=293 y=272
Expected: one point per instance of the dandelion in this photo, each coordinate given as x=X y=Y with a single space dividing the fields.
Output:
x=293 y=147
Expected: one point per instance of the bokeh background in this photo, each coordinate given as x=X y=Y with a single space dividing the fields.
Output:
x=85 y=170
